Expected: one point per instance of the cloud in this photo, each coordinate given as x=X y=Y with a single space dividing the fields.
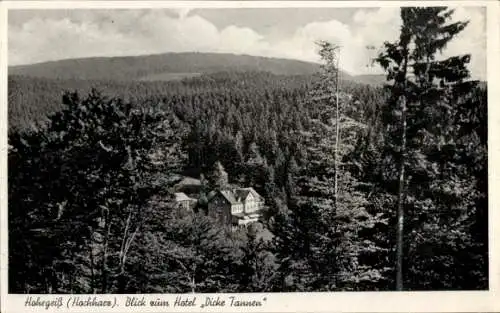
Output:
x=83 y=33
x=118 y=33
x=471 y=40
x=375 y=27
x=183 y=12
x=241 y=40
x=371 y=27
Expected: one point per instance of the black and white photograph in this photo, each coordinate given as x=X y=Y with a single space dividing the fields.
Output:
x=229 y=150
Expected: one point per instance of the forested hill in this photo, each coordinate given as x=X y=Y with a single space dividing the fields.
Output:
x=160 y=66
x=170 y=66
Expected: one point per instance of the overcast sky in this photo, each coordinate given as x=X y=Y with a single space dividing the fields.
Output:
x=44 y=35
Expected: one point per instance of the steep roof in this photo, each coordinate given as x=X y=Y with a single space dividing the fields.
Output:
x=211 y=194
x=229 y=196
x=242 y=193
x=235 y=196
x=188 y=185
x=189 y=181
x=180 y=196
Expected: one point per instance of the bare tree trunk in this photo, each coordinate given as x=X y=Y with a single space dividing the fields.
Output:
x=193 y=284
x=127 y=241
x=105 y=270
x=337 y=130
x=124 y=241
x=92 y=264
x=400 y=211
x=401 y=192
x=337 y=144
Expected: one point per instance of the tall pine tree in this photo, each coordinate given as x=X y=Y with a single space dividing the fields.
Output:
x=420 y=120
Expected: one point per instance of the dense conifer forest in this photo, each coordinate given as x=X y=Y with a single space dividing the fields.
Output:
x=92 y=169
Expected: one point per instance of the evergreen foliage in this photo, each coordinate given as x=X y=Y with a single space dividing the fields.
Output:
x=91 y=179
x=437 y=192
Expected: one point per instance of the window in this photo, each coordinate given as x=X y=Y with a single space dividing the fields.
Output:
x=238 y=208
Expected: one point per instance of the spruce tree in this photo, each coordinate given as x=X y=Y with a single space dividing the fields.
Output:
x=219 y=176
x=419 y=116
x=322 y=243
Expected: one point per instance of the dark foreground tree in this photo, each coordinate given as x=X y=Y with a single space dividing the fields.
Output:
x=78 y=193
x=425 y=141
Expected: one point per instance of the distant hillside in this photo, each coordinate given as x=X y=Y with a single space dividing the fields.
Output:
x=170 y=66
x=370 y=79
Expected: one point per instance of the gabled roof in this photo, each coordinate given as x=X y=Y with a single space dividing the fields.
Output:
x=242 y=193
x=235 y=196
x=229 y=196
x=226 y=194
x=189 y=181
x=254 y=193
x=211 y=194
x=188 y=185
x=180 y=196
